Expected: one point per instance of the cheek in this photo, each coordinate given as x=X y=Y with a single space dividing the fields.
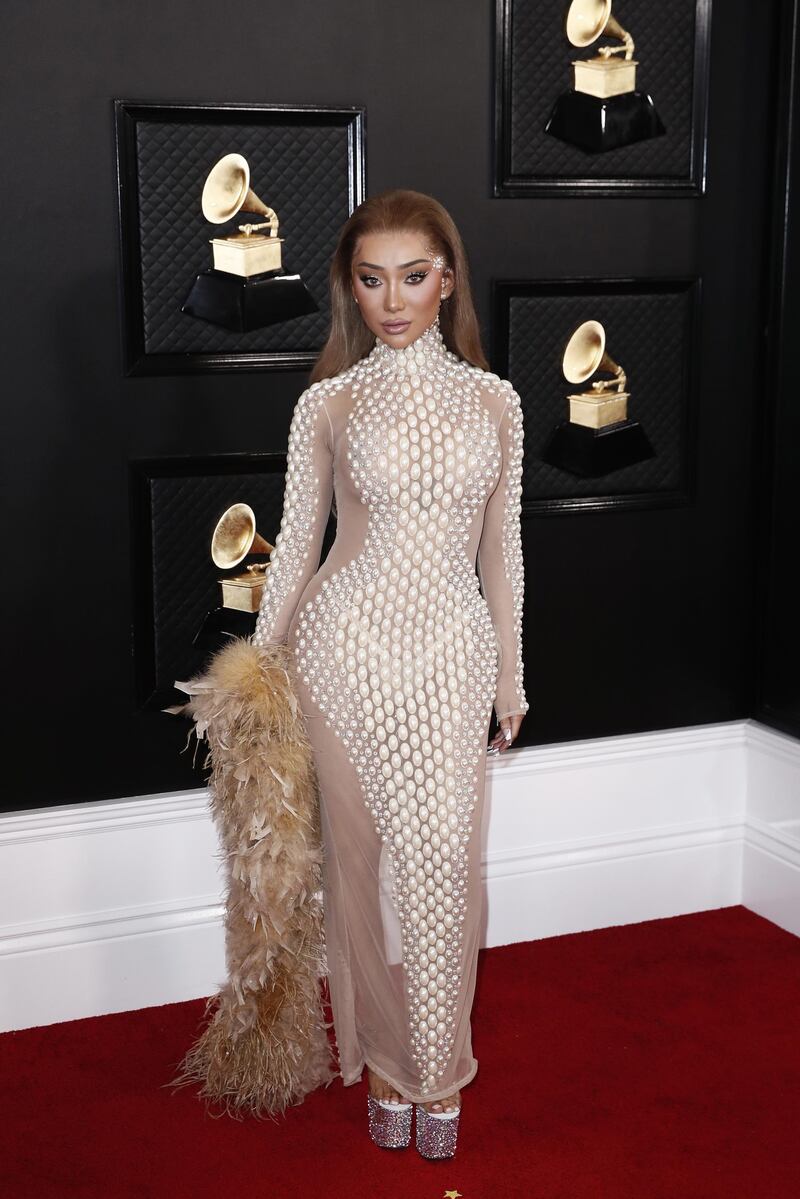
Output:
x=427 y=293
x=366 y=295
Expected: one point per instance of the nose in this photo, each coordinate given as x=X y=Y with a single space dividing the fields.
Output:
x=393 y=300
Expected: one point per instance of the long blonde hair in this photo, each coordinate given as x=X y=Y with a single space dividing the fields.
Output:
x=393 y=211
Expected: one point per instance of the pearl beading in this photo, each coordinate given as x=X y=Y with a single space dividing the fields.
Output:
x=398 y=647
x=512 y=541
x=300 y=508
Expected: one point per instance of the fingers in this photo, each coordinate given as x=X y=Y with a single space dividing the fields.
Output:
x=505 y=735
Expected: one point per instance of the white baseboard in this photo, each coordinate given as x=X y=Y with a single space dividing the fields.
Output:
x=117 y=905
x=771 y=876
x=771 y=858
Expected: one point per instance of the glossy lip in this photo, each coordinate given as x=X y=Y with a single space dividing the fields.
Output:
x=395 y=326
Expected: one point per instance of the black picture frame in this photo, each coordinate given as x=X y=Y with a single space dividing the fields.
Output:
x=175 y=503
x=622 y=171
x=560 y=305
x=315 y=178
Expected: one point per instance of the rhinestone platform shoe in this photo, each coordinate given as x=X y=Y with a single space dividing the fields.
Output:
x=437 y=1132
x=389 y=1123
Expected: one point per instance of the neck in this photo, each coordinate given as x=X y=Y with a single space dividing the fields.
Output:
x=429 y=345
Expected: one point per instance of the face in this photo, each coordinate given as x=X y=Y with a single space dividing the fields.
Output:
x=398 y=286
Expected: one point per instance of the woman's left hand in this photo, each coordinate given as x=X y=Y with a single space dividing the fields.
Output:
x=506 y=735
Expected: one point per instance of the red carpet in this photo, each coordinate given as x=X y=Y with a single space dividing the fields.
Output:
x=654 y=1060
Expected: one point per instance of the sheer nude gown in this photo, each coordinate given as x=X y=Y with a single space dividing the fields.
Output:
x=401 y=650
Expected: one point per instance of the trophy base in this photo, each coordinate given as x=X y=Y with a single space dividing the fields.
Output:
x=595 y=452
x=243 y=304
x=598 y=124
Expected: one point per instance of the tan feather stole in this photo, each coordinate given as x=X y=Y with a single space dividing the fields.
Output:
x=265 y=1046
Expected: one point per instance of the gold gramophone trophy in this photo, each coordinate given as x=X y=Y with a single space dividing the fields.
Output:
x=247 y=287
x=603 y=110
x=234 y=537
x=598 y=437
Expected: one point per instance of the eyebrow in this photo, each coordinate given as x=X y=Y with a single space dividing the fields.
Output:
x=403 y=265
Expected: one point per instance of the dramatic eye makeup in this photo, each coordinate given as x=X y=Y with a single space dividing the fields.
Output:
x=414 y=277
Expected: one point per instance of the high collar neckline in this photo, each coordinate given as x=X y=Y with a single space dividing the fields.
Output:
x=428 y=347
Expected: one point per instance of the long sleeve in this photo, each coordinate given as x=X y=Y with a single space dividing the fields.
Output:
x=306 y=508
x=500 y=562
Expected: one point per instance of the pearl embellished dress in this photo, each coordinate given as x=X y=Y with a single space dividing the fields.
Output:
x=401 y=651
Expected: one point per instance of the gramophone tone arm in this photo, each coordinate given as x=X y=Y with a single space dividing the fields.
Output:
x=271 y=224
x=619 y=382
x=626 y=48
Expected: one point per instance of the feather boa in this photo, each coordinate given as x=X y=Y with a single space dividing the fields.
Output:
x=265 y=1046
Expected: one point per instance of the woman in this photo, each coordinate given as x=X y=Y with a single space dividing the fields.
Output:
x=401 y=648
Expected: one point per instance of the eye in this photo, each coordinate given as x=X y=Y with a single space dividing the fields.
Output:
x=416 y=277
x=369 y=280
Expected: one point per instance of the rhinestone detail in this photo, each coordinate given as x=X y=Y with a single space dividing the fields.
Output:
x=389 y=1123
x=437 y=1133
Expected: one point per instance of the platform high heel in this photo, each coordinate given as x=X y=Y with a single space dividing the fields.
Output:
x=437 y=1132
x=389 y=1123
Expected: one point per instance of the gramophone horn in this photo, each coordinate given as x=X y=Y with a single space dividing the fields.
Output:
x=227 y=190
x=588 y=19
x=235 y=537
x=586 y=353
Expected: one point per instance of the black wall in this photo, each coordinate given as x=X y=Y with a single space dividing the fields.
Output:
x=778 y=627
x=634 y=620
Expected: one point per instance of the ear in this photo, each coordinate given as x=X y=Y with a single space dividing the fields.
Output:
x=448 y=283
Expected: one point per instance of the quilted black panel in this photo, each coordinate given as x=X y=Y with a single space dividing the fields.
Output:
x=650 y=334
x=302 y=171
x=178 y=582
x=307 y=162
x=539 y=67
